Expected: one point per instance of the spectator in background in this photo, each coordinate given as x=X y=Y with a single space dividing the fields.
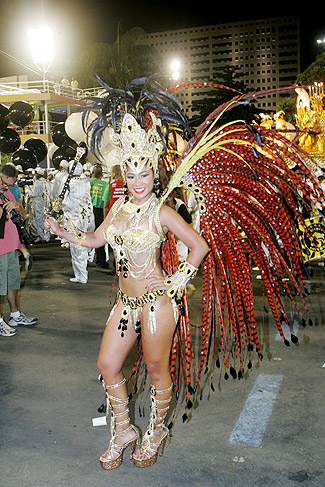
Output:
x=114 y=190
x=78 y=214
x=305 y=210
x=40 y=202
x=9 y=262
x=15 y=190
x=65 y=84
x=321 y=178
x=74 y=84
x=97 y=188
x=59 y=179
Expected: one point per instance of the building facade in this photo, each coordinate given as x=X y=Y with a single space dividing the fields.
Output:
x=267 y=51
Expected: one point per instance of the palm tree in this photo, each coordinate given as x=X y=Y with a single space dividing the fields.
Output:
x=128 y=58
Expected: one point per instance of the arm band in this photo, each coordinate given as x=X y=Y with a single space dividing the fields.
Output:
x=177 y=282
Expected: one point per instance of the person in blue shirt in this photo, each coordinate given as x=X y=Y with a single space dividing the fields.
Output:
x=15 y=190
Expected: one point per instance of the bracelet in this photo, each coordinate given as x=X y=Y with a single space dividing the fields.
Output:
x=177 y=281
x=81 y=236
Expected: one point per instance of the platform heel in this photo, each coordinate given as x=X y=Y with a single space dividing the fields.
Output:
x=118 y=409
x=148 y=453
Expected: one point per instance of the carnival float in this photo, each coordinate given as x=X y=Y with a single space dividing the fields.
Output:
x=308 y=134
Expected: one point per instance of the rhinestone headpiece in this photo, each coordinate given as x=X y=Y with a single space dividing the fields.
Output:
x=136 y=146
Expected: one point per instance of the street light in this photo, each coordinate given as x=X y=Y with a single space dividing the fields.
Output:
x=175 y=67
x=41 y=45
x=321 y=41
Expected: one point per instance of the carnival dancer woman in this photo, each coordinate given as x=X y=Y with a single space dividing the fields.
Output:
x=135 y=228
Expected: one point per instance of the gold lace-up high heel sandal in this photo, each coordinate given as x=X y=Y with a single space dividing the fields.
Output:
x=118 y=407
x=148 y=453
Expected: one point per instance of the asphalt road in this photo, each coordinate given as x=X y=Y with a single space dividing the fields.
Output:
x=264 y=430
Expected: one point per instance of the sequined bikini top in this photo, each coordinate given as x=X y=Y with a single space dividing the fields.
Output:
x=135 y=247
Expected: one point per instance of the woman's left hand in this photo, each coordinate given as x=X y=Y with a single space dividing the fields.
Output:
x=155 y=283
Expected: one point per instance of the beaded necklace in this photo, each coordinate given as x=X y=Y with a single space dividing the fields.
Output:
x=135 y=247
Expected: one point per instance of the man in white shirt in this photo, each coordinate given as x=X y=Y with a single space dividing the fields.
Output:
x=78 y=214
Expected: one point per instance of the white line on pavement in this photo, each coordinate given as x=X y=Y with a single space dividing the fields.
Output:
x=253 y=419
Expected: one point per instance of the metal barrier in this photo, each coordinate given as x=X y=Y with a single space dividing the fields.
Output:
x=46 y=86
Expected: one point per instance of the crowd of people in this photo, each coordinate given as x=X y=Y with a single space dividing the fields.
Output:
x=66 y=87
x=91 y=192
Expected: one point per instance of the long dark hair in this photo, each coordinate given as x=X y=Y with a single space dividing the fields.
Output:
x=159 y=185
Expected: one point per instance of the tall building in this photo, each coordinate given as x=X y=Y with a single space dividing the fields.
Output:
x=267 y=51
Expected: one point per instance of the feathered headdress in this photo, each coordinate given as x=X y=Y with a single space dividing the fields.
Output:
x=153 y=109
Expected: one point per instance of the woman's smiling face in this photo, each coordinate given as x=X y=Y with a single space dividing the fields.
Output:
x=140 y=185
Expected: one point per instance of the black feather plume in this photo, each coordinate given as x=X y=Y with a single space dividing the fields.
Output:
x=141 y=96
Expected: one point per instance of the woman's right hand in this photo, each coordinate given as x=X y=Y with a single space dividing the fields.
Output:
x=155 y=282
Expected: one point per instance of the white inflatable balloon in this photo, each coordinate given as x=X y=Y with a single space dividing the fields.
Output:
x=74 y=127
x=105 y=141
x=51 y=148
x=109 y=158
x=92 y=159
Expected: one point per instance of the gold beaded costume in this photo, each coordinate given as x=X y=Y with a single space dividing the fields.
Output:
x=141 y=236
x=135 y=251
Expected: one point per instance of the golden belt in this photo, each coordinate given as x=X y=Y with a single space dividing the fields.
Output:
x=140 y=301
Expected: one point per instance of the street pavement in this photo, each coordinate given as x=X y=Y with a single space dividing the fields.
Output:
x=264 y=430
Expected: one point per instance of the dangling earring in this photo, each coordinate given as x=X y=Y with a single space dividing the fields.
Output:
x=157 y=187
x=126 y=193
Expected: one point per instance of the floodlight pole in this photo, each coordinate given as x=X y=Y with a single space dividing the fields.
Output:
x=42 y=59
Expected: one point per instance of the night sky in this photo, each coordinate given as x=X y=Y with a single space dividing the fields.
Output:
x=78 y=23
